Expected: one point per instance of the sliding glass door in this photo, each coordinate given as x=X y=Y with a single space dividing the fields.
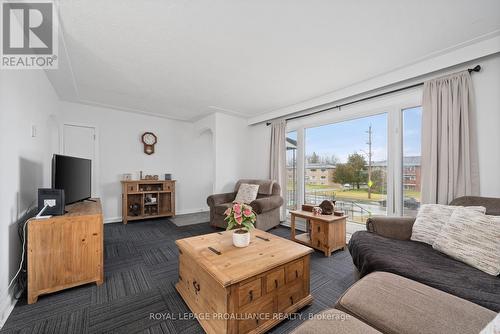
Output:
x=347 y=162
x=291 y=171
x=412 y=152
x=365 y=157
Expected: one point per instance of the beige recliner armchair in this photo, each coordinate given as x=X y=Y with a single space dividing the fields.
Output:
x=266 y=206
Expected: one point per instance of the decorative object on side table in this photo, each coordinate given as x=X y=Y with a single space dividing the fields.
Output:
x=134 y=209
x=317 y=211
x=307 y=207
x=327 y=207
x=241 y=218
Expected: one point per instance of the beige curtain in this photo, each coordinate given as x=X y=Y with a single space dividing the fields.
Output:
x=278 y=159
x=449 y=145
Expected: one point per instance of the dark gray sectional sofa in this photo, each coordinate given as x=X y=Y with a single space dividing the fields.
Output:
x=386 y=246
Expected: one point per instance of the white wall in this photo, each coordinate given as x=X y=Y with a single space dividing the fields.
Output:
x=26 y=99
x=259 y=151
x=180 y=150
x=231 y=140
x=487 y=89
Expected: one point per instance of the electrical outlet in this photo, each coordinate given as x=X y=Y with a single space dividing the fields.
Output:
x=49 y=202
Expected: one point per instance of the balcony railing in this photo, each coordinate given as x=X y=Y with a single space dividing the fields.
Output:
x=357 y=212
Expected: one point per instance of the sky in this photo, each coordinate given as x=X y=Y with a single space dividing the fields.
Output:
x=344 y=138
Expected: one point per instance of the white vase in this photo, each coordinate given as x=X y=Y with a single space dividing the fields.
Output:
x=241 y=239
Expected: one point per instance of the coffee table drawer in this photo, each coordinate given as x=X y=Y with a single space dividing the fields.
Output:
x=290 y=295
x=255 y=314
x=275 y=280
x=294 y=271
x=249 y=292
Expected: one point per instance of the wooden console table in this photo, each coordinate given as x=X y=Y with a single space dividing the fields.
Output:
x=324 y=232
x=147 y=199
x=65 y=251
x=243 y=290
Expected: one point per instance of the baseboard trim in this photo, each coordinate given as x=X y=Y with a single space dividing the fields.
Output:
x=112 y=220
x=118 y=219
x=7 y=303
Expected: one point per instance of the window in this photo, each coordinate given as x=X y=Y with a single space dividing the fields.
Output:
x=412 y=129
x=358 y=148
x=291 y=170
x=365 y=156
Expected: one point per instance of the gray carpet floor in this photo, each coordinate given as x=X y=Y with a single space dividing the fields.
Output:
x=140 y=273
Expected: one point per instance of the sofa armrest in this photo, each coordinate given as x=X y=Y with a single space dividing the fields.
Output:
x=391 y=227
x=217 y=199
x=265 y=204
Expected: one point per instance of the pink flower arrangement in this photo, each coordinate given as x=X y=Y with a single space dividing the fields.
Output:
x=240 y=215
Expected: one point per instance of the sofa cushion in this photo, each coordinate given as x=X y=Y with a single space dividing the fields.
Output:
x=431 y=218
x=491 y=204
x=265 y=186
x=493 y=327
x=420 y=262
x=334 y=321
x=246 y=193
x=221 y=208
x=473 y=238
x=394 y=304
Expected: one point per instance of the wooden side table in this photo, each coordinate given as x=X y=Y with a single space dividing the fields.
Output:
x=324 y=232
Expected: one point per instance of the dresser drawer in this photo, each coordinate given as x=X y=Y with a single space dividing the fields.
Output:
x=290 y=294
x=249 y=292
x=255 y=314
x=275 y=280
x=318 y=232
x=294 y=271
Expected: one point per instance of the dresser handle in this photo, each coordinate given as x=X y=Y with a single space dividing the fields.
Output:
x=291 y=299
x=319 y=244
x=196 y=286
x=319 y=228
x=250 y=294
x=296 y=274
x=276 y=283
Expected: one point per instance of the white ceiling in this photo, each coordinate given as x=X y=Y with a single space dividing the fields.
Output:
x=184 y=59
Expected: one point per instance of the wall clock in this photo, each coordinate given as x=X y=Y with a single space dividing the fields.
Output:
x=149 y=140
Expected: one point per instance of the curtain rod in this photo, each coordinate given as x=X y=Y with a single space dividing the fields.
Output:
x=477 y=68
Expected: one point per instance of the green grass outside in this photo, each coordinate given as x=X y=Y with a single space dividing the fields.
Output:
x=350 y=194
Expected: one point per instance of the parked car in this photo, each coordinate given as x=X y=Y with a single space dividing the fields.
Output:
x=408 y=202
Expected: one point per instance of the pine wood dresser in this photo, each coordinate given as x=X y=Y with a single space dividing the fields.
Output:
x=65 y=251
x=243 y=290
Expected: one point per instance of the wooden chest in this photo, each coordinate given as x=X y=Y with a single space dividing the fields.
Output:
x=243 y=290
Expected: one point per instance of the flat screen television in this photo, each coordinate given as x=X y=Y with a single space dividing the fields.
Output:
x=73 y=175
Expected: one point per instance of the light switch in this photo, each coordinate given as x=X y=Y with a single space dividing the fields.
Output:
x=33 y=131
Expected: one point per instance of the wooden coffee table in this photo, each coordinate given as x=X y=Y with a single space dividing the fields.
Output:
x=324 y=232
x=243 y=290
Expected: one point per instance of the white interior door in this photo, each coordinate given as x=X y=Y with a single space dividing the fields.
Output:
x=79 y=141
